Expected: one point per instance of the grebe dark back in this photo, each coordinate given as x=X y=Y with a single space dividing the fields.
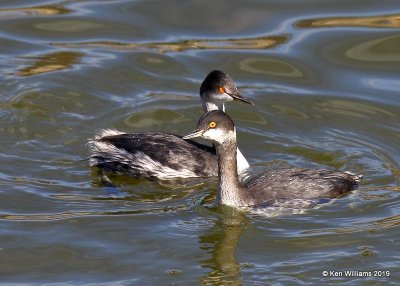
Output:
x=164 y=156
x=296 y=183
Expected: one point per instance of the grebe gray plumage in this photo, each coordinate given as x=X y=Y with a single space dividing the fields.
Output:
x=163 y=156
x=296 y=183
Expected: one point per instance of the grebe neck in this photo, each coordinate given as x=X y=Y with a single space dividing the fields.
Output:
x=209 y=106
x=229 y=188
x=243 y=165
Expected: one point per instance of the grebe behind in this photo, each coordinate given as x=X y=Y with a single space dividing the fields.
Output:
x=295 y=183
x=164 y=156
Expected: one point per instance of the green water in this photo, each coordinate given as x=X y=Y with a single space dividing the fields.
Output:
x=324 y=77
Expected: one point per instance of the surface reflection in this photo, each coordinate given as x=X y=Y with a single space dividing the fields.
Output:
x=326 y=94
x=350 y=108
x=48 y=10
x=222 y=241
x=376 y=50
x=51 y=62
x=384 y=21
x=270 y=67
x=258 y=43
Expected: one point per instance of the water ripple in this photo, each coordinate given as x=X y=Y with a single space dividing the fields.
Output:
x=78 y=214
x=51 y=62
x=325 y=83
x=22 y=12
x=381 y=21
x=259 y=43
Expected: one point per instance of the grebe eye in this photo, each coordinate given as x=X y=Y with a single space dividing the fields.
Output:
x=212 y=124
x=221 y=90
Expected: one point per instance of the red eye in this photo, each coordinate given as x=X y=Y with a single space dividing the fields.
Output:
x=221 y=90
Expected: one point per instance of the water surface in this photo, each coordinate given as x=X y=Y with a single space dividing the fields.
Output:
x=324 y=77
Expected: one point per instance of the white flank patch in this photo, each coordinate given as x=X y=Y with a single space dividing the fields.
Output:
x=158 y=170
x=357 y=178
x=138 y=161
x=107 y=132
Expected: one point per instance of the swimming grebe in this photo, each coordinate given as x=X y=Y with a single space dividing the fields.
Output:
x=296 y=183
x=163 y=156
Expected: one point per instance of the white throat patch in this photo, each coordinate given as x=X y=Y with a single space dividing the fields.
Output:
x=219 y=136
x=209 y=106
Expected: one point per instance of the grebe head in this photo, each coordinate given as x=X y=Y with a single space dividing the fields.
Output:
x=216 y=126
x=217 y=88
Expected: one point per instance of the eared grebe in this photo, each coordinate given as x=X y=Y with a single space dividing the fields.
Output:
x=271 y=185
x=163 y=156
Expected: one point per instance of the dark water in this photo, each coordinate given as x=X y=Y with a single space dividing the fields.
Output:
x=324 y=76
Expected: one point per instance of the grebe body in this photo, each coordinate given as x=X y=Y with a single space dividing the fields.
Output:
x=270 y=186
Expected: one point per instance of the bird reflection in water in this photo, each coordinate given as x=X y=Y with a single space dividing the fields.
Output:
x=221 y=241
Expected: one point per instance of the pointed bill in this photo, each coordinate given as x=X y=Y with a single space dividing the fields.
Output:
x=237 y=96
x=194 y=134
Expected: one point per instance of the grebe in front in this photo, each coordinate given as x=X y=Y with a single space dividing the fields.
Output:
x=265 y=188
x=163 y=156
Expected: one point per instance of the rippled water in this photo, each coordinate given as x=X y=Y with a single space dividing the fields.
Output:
x=324 y=76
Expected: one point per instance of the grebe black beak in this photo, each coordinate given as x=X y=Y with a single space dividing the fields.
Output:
x=194 y=134
x=238 y=97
